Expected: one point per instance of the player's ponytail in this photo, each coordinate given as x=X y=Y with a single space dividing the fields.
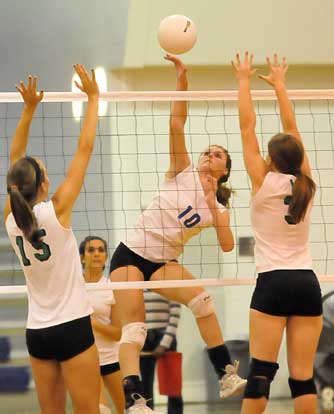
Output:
x=303 y=191
x=23 y=181
x=287 y=154
x=224 y=193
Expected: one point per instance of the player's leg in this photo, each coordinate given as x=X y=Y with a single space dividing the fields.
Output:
x=130 y=309
x=264 y=353
x=201 y=304
x=302 y=340
x=50 y=387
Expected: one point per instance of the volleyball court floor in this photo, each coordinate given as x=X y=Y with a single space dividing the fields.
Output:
x=26 y=403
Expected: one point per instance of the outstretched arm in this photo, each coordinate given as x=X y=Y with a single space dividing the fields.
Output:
x=276 y=79
x=179 y=157
x=19 y=144
x=68 y=191
x=254 y=163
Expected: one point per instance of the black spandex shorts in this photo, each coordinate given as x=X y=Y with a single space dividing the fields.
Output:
x=109 y=368
x=60 y=342
x=123 y=256
x=287 y=293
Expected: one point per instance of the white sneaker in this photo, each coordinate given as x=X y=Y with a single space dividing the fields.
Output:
x=139 y=407
x=327 y=395
x=104 y=409
x=231 y=383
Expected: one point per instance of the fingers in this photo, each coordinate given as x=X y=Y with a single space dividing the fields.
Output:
x=93 y=75
x=78 y=85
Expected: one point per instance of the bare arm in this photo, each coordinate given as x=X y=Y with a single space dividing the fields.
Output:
x=221 y=219
x=179 y=157
x=276 y=79
x=254 y=163
x=68 y=191
x=19 y=144
x=110 y=331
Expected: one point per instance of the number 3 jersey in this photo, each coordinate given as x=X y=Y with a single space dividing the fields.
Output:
x=177 y=212
x=56 y=288
x=278 y=244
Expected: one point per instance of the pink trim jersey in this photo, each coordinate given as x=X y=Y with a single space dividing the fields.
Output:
x=102 y=301
x=53 y=273
x=177 y=213
x=279 y=244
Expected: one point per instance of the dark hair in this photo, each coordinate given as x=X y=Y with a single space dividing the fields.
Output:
x=287 y=154
x=87 y=239
x=224 y=193
x=82 y=245
x=23 y=181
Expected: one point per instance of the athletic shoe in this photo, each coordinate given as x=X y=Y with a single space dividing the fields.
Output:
x=327 y=395
x=139 y=407
x=231 y=383
x=104 y=409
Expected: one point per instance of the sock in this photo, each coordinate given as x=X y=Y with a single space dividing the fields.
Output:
x=219 y=357
x=131 y=385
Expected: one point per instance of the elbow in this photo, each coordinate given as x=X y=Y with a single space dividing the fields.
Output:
x=227 y=247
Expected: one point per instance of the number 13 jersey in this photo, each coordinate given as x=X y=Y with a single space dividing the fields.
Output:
x=279 y=244
x=53 y=273
x=177 y=212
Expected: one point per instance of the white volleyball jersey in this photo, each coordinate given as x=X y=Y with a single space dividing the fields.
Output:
x=177 y=212
x=53 y=273
x=102 y=301
x=278 y=244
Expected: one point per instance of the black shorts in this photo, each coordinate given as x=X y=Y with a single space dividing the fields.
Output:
x=61 y=342
x=287 y=293
x=123 y=256
x=109 y=368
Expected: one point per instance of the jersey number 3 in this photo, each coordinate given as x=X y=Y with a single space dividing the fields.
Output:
x=42 y=257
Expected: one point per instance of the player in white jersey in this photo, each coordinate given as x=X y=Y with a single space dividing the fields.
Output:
x=59 y=335
x=188 y=201
x=93 y=253
x=287 y=294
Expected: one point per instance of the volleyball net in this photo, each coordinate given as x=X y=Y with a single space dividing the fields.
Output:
x=131 y=157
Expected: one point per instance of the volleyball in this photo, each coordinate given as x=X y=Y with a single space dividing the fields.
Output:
x=177 y=34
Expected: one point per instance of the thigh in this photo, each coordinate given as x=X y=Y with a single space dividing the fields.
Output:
x=129 y=303
x=175 y=271
x=50 y=387
x=113 y=383
x=82 y=377
x=302 y=337
x=262 y=346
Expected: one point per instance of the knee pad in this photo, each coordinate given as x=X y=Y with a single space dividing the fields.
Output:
x=260 y=377
x=202 y=305
x=134 y=333
x=302 y=387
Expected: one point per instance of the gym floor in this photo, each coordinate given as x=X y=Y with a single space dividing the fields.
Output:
x=26 y=403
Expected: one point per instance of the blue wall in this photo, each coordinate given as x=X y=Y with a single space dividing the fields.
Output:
x=46 y=37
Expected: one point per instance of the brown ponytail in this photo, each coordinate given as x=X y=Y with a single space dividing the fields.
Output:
x=303 y=191
x=287 y=154
x=223 y=193
x=23 y=181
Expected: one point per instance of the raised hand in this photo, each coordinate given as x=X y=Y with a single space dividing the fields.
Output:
x=29 y=93
x=243 y=69
x=180 y=67
x=210 y=186
x=88 y=84
x=277 y=71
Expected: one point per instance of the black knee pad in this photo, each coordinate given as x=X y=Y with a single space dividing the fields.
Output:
x=302 y=387
x=259 y=379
